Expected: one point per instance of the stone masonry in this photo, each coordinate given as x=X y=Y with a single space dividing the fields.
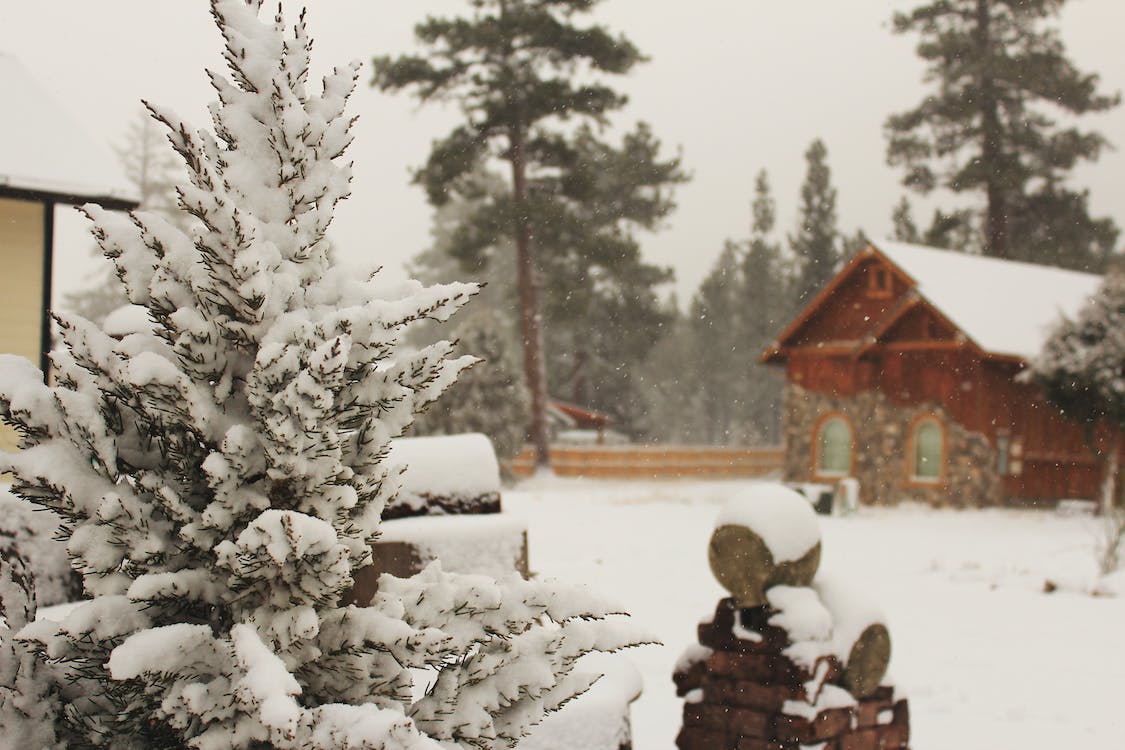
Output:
x=740 y=693
x=881 y=443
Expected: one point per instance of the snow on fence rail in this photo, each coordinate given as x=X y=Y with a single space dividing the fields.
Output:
x=653 y=461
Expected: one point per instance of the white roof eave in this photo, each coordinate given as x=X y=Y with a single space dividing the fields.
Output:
x=44 y=150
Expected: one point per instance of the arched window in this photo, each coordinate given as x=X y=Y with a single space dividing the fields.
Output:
x=834 y=447
x=927 y=452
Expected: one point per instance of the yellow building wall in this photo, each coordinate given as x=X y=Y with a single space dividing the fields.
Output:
x=21 y=285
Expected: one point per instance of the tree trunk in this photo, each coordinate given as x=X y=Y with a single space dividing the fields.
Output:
x=996 y=224
x=1113 y=526
x=1109 y=481
x=531 y=332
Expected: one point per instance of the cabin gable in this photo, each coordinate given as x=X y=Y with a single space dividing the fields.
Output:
x=866 y=292
x=919 y=325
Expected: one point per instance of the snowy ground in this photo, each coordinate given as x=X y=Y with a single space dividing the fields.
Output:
x=987 y=658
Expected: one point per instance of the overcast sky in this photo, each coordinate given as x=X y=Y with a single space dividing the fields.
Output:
x=737 y=85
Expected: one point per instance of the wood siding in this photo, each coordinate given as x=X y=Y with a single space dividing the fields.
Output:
x=21 y=277
x=21 y=285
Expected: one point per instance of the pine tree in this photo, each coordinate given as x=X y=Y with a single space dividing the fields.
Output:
x=151 y=168
x=1000 y=72
x=515 y=68
x=952 y=231
x=1082 y=372
x=722 y=354
x=902 y=219
x=491 y=398
x=767 y=307
x=599 y=298
x=707 y=385
x=222 y=475
x=672 y=392
x=815 y=244
x=32 y=534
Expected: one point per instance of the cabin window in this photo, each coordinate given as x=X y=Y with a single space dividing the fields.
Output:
x=834 y=447
x=926 y=450
x=1003 y=443
x=879 y=282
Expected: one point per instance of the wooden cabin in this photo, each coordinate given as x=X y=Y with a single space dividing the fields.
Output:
x=903 y=372
x=46 y=160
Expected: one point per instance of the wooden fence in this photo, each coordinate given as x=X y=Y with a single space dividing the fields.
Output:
x=653 y=462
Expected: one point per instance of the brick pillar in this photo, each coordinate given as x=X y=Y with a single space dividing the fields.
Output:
x=742 y=692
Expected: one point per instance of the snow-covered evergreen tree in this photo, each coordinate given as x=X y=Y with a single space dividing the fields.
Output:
x=28 y=701
x=1082 y=372
x=153 y=170
x=32 y=534
x=222 y=475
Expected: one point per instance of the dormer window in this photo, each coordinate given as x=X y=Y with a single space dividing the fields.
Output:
x=879 y=282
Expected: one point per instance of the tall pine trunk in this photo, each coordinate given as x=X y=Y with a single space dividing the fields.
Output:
x=996 y=221
x=531 y=331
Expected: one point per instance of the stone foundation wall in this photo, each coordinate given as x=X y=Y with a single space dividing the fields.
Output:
x=881 y=445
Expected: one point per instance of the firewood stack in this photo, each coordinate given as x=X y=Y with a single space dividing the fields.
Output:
x=786 y=662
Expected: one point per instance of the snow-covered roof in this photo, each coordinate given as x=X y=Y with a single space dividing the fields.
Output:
x=44 y=150
x=1003 y=306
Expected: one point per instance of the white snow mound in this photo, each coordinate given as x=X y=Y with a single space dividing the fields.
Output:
x=800 y=613
x=781 y=517
x=853 y=611
x=126 y=320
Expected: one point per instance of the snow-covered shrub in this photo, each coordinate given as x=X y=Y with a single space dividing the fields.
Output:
x=28 y=702
x=222 y=475
x=32 y=533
